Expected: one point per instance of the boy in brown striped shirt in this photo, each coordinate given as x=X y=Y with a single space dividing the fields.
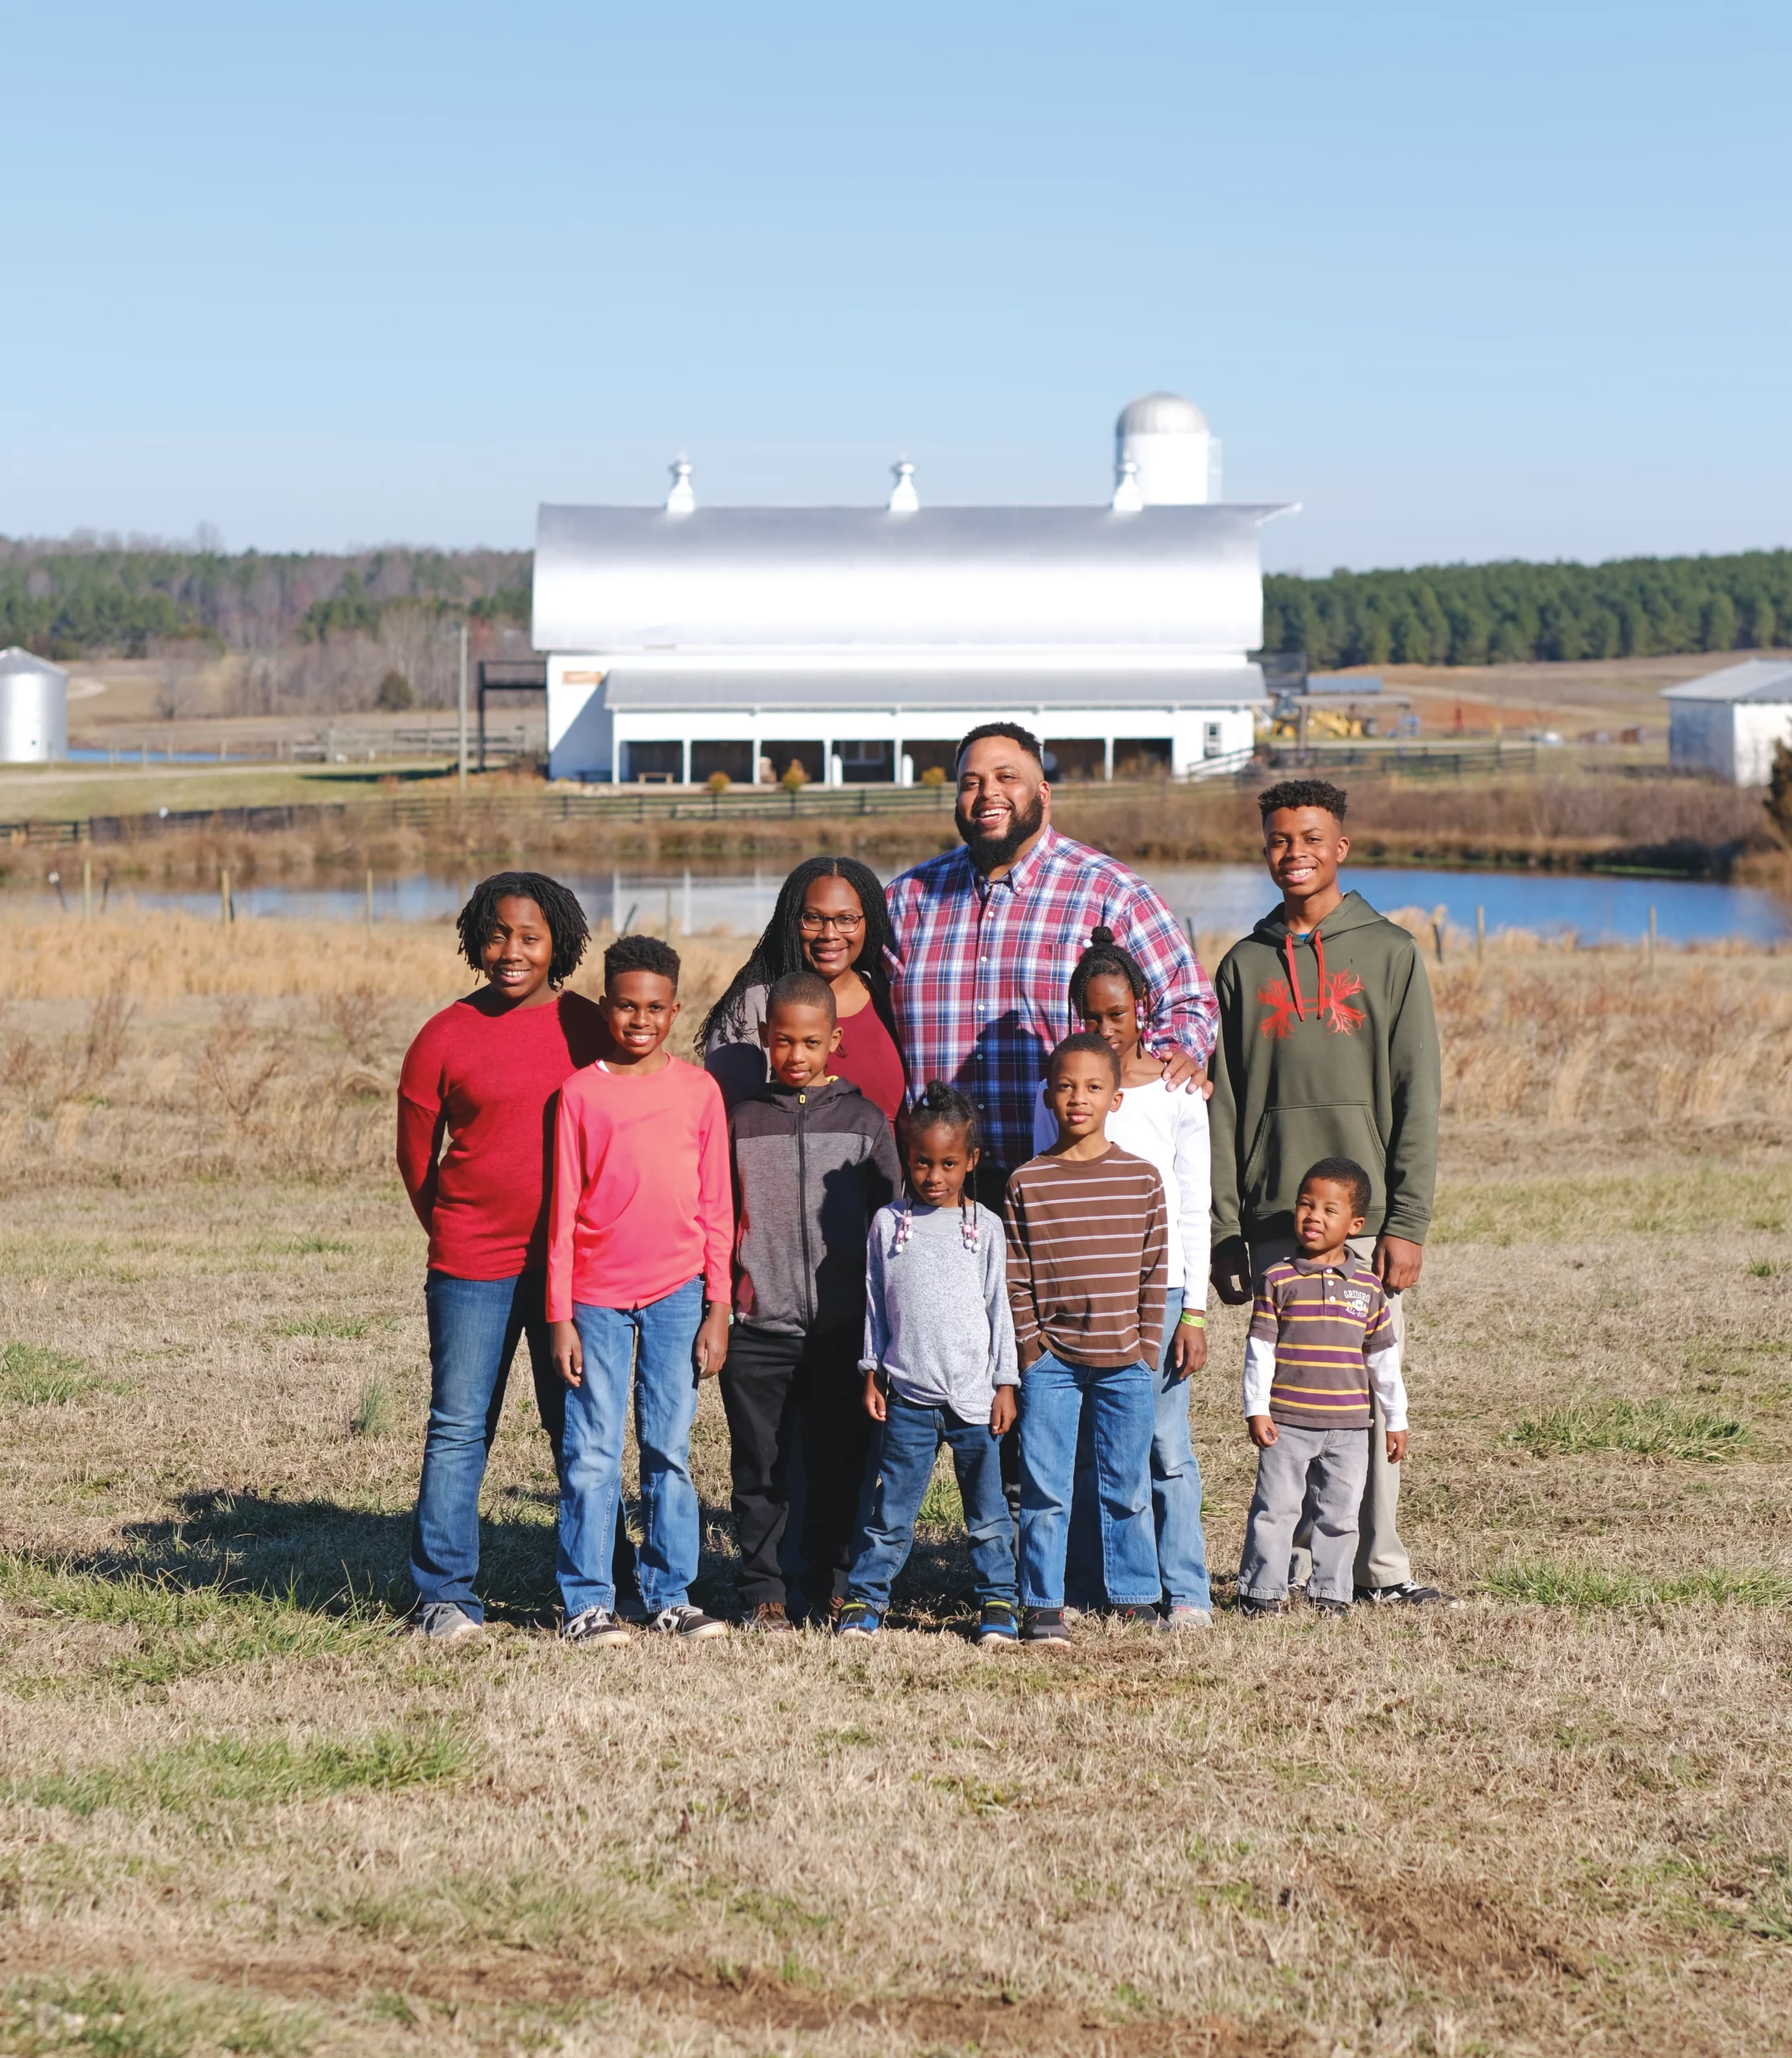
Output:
x=1087 y=1262
x=1322 y=1336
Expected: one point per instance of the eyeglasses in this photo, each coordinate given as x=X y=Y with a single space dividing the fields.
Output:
x=813 y=924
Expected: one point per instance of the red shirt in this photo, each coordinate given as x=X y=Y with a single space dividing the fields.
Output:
x=868 y=1056
x=642 y=1199
x=487 y=1081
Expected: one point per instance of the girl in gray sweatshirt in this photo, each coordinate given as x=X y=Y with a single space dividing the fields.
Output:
x=939 y=1366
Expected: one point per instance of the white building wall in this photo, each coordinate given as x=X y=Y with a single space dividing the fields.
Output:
x=1700 y=737
x=1759 y=725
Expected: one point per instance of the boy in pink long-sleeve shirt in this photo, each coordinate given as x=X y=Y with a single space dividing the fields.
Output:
x=640 y=1228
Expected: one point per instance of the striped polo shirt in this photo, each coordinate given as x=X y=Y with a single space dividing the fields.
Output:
x=1323 y=1321
x=1089 y=1244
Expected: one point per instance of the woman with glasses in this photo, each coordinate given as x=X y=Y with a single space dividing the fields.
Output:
x=829 y=919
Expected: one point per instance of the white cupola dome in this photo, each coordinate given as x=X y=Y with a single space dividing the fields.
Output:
x=1166 y=442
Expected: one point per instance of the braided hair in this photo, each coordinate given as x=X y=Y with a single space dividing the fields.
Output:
x=1104 y=959
x=560 y=909
x=941 y=1105
x=779 y=950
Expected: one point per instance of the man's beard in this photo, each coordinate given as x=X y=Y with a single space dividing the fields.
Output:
x=988 y=852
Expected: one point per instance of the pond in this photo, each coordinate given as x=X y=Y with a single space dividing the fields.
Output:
x=1228 y=899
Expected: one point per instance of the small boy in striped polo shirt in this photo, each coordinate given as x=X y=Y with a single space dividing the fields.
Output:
x=1321 y=1336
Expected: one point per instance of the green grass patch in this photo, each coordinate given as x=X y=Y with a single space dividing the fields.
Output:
x=33 y=1375
x=940 y=1506
x=192 y=1778
x=181 y=1632
x=373 y=1407
x=1649 y=1203
x=521 y=1912
x=1763 y=1268
x=1562 y=1585
x=1648 y=1429
x=339 y=1328
x=124 y=2018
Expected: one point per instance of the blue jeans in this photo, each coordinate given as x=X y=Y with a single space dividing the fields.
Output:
x=474 y=1327
x=1176 y=1497
x=896 y=1483
x=1054 y=1396
x=651 y=1349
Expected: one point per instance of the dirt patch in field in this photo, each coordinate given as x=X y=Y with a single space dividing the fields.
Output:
x=744 y=2003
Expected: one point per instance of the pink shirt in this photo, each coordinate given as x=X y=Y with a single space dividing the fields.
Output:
x=641 y=1199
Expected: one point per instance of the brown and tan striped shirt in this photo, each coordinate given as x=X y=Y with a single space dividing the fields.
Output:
x=1088 y=1245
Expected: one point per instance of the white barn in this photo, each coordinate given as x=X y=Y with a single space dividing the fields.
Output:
x=1726 y=724
x=861 y=642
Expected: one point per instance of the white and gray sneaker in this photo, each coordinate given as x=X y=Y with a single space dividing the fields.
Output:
x=596 y=1625
x=441 y=1621
x=1185 y=1615
x=686 y=1620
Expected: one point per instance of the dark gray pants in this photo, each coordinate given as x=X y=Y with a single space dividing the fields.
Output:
x=1319 y=1472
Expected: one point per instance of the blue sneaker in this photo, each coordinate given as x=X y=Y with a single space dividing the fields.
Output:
x=1000 y=1623
x=857 y=1618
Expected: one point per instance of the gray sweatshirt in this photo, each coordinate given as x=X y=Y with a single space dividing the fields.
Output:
x=937 y=1315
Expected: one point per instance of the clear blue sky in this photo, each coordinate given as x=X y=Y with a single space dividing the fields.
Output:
x=1466 y=281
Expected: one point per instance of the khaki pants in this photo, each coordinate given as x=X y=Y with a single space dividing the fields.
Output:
x=1381 y=1559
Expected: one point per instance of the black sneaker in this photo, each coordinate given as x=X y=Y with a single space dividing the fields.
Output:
x=1329 y=1607
x=1129 y=1615
x=689 y=1622
x=1258 y=1611
x=999 y=1624
x=1404 y=1593
x=596 y=1626
x=1044 y=1626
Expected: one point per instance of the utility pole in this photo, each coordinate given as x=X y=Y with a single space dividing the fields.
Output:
x=463 y=706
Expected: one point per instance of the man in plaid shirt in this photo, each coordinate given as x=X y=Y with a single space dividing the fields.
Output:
x=985 y=939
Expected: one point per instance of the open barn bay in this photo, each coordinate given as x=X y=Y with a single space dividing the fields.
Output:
x=239 y=1812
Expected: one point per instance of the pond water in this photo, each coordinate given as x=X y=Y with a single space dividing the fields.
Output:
x=1225 y=898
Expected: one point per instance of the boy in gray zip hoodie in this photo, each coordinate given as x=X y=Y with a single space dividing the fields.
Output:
x=813 y=1161
x=1328 y=1048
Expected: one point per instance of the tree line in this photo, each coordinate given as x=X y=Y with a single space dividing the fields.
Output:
x=1508 y=613
x=91 y=598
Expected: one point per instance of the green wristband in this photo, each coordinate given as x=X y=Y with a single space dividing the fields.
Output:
x=1194 y=1322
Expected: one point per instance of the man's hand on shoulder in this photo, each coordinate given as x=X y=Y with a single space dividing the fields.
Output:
x=1182 y=1068
x=1231 y=1271
x=1397 y=1262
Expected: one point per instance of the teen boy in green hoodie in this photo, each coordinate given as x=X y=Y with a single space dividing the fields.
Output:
x=1328 y=1048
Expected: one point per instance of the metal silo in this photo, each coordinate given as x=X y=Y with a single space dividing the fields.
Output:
x=33 y=709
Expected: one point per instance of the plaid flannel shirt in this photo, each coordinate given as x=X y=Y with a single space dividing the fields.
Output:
x=980 y=974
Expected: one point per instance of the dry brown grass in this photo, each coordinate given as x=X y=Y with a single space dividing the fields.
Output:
x=237 y=1812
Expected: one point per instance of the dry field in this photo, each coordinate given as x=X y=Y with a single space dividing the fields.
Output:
x=239 y=1813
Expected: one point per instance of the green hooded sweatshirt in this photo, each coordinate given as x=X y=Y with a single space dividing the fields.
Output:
x=1328 y=1048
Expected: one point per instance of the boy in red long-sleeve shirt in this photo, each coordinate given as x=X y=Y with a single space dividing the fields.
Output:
x=639 y=1233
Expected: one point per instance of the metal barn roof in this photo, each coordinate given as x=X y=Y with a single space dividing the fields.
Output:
x=959 y=693
x=1755 y=679
x=1168 y=579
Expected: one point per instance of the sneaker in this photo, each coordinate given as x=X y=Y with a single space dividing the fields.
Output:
x=1329 y=1607
x=768 y=1620
x=856 y=1618
x=1254 y=1610
x=1183 y=1615
x=685 y=1621
x=441 y=1621
x=999 y=1624
x=1128 y=1613
x=1044 y=1626
x=1404 y=1593
x=596 y=1625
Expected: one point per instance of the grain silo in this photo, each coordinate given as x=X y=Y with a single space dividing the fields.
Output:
x=33 y=709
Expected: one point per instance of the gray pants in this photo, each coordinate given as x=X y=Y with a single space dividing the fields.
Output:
x=1313 y=1476
x=1381 y=1559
